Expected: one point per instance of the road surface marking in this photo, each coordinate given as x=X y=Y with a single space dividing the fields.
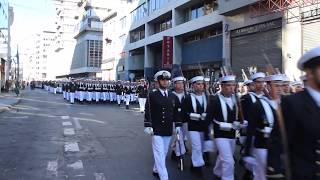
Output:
x=17 y=117
x=53 y=167
x=90 y=120
x=77 y=123
x=68 y=131
x=71 y=147
x=65 y=117
x=67 y=123
x=99 y=176
x=78 y=165
x=86 y=114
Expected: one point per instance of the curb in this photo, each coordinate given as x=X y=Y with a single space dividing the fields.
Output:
x=6 y=108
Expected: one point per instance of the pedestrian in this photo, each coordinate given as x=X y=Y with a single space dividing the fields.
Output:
x=161 y=113
x=193 y=109
x=222 y=111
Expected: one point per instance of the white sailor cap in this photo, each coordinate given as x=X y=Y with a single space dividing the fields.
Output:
x=306 y=57
x=285 y=78
x=206 y=79
x=275 y=77
x=227 y=78
x=197 y=78
x=257 y=76
x=297 y=83
x=247 y=82
x=163 y=74
x=178 y=78
x=303 y=78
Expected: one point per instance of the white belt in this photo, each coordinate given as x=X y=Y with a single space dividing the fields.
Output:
x=224 y=126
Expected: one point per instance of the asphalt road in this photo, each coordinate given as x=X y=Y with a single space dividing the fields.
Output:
x=45 y=137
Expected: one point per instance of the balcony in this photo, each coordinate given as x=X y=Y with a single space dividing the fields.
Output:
x=88 y=25
x=228 y=6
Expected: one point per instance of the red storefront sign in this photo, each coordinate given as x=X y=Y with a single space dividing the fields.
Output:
x=167 y=52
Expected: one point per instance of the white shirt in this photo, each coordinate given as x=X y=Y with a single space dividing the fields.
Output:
x=179 y=95
x=315 y=95
x=163 y=92
x=200 y=99
x=229 y=101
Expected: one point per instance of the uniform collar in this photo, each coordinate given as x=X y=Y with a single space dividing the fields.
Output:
x=163 y=92
x=314 y=94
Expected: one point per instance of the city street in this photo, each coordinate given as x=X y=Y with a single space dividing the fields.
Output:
x=44 y=137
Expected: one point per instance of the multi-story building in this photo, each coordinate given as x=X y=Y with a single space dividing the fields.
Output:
x=6 y=20
x=87 y=56
x=205 y=34
x=42 y=55
x=67 y=17
x=194 y=30
x=282 y=30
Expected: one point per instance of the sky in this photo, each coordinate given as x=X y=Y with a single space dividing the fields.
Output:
x=30 y=17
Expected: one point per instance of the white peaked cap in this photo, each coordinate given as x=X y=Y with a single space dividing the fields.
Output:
x=303 y=78
x=206 y=79
x=257 y=75
x=276 y=77
x=227 y=78
x=313 y=53
x=297 y=83
x=247 y=82
x=161 y=73
x=197 y=78
x=179 y=78
x=285 y=78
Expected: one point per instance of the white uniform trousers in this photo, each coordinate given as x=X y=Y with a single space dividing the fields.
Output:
x=89 y=96
x=142 y=103
x=224 y=167
x=197 y=142
x=259 y=171
x=160 y=147
x=93 y=95
x=107 y=94
x=81 y=96
x=64 y=95
x=119 y=99
x=179 y=144
x=68 y=96
x=127 y=98
x=97 y=96
x=54 y=90
x=132 y=98
x=71 y=97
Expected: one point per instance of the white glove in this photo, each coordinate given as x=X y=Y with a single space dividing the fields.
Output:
x=244 y=124
x=178 y=130
x=148 y=131
x=195 y=116
x=203 y=116
x=236 y=125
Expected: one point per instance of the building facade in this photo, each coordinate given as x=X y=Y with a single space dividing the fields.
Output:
x=67 y=17
x=205 y=34
x=283 y=36
x=87 y=58
x=6 y=20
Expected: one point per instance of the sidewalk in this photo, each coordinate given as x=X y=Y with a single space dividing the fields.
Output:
x=7 y=100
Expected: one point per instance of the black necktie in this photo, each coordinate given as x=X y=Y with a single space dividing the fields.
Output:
x=165 y=94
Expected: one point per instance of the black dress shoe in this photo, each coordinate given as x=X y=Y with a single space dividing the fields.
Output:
x=206 y=158
x=155 y=174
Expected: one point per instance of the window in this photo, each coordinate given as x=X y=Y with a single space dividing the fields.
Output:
x=137 y=34
x=163 y=25
x=139 y=13
x=123 y=22
x=156 y=4
x=95 y=53
x=199 y=10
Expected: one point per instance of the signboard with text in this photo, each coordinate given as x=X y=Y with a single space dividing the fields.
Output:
x=167 y=52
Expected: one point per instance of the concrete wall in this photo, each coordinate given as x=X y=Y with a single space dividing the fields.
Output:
x=226 y=6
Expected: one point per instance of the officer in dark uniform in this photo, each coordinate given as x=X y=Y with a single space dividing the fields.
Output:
x=301 y=113
x=161 y=113
x=142 y=91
